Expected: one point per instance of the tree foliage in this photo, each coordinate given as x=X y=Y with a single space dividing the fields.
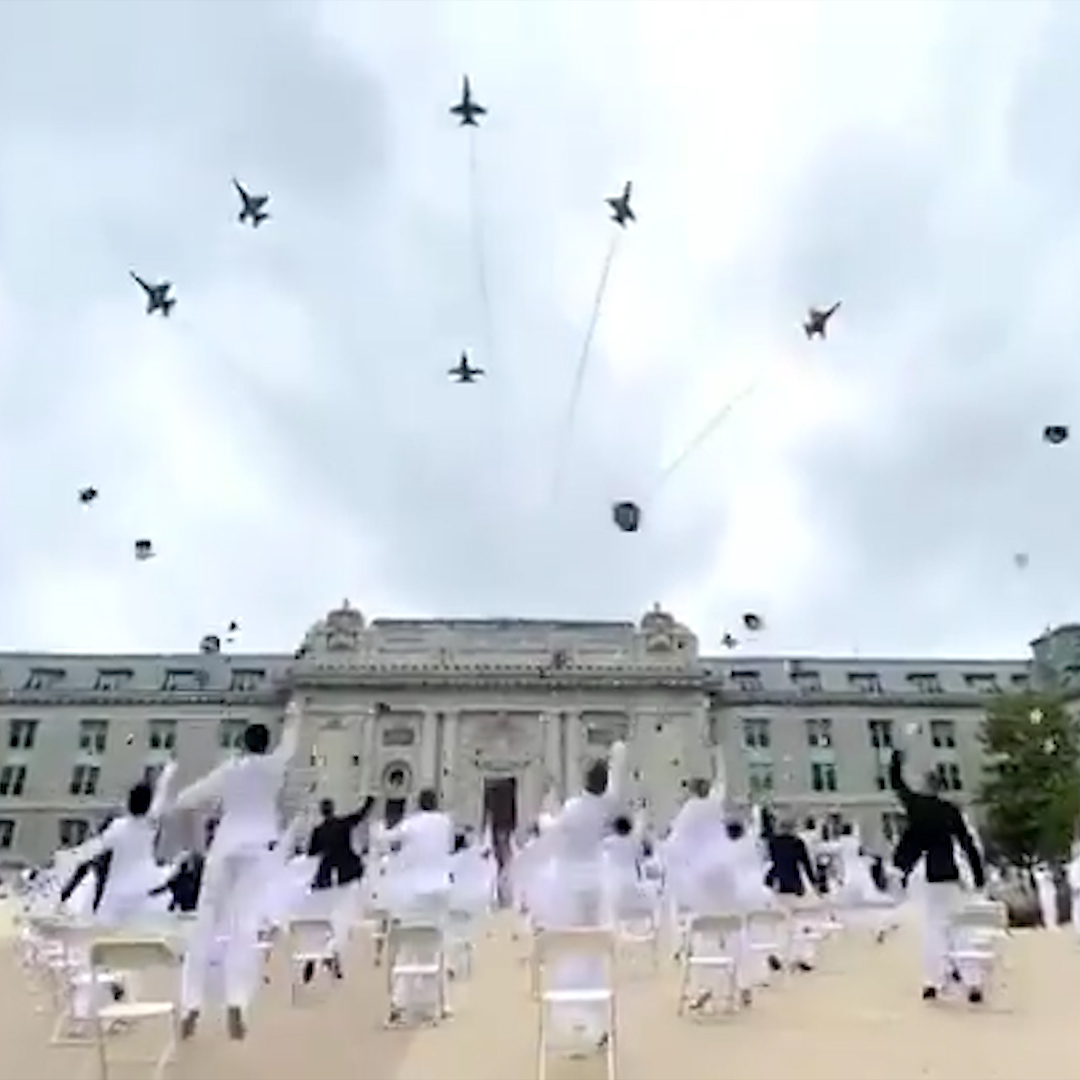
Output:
x=1031 y=789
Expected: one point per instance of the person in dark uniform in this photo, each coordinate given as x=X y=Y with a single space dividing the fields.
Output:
x=339 y=863
x=935 y=828
x=331 y=841
x=184 y=884
x=789 y=871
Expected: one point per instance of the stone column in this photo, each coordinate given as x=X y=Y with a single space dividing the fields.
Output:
x=429 y=764
x=551 y=744
x=575 y=743
x=448 y=778
x=369 y=754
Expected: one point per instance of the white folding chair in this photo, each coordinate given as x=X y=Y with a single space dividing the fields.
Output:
x=142 y=955
x=416 y=958
x=769 y=938
x=377 y=920
x=311 y=941
x=711 y=947
x=551 y=945
x=975 y=932
x=460 y=928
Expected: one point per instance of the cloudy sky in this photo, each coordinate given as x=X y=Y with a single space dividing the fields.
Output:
x=289 y=436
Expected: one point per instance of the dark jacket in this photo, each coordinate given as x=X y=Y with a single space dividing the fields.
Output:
x=933 y=824
x=99 y=866
x=789 y=862
x=184 y=884
x=331 y=840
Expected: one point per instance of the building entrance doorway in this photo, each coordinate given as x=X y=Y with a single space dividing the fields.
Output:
x=394 y=811
x=500 y=815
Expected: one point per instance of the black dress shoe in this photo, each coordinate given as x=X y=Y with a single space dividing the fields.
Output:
x=929 y=993
x=235 y=1022
x=189 y=1023
x=774 y=964
x=309 y=972
x=975 y=996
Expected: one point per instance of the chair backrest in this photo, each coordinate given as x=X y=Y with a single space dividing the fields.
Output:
x=982 y=915
x=311 y=934
x=119 y=953
x=716 y=923
x=766 y=917
x=562 y=941
x=415 y=934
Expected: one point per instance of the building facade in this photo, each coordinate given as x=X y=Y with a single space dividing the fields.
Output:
x=498 y=715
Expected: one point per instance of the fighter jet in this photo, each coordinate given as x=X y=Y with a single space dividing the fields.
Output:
x=818 y=320
x=87 y=495
x=463 y=373
x=620 y=207
x=729 y=641
x=253 y=205
x=157 y=296
x=468 y=110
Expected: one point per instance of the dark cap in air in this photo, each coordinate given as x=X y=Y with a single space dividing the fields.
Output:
x=752 y=622
x=627 y=516
x=144 y=549
x=1055 y=434
x=233 y=627
x=87 y=495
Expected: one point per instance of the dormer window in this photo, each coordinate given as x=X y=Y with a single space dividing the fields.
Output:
x=747 y=681
x=44 y=678
x=184 y=681
x=924 y=682
x=983 y=683
x=246 y=682
x=864 y=682
x=109 y=681
x=807 y=682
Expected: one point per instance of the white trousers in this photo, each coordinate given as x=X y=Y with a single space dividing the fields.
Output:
x=941 y=900
x=229 y=908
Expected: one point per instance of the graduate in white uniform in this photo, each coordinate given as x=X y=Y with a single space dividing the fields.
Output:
x=573 y=891
x=248 y=788
x=1072 y=876
x=133 y=873
x=1046 y=891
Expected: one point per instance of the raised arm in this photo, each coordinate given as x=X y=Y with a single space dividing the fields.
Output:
x=161 y=790
x=359 y=815
x=962 y=835
x=617 y=769
x=896 y=778
x=290 y=734
x=206 y=790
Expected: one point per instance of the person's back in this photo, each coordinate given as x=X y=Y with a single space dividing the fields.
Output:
x=790 y=867
x=935 y=827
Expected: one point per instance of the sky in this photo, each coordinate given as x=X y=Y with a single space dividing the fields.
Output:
x=289 y=436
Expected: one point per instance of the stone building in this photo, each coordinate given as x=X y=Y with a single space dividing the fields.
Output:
x=495 y=714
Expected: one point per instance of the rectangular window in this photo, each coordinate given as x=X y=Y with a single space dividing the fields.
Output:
x=93 y=736
x=747 y=681
x=162 y=735
x=759 y=778
x=44 y=678
x=819 y=734
x=186 y=681
x=756 y=733
x=109 y=681
x=7 y=834
x=865 y=682
x=948 y=774
x=84 y=780
x=151 y=774
x=73 y=831
x=982 y=683
x=231 y=733
x=12 y=780
x=881 y=778
x=21 y=734
x=943 y=734
x=806 y=682
x=246 y=682
x=925 y=682
x=823 y=776
x=892 y=825
x=881 y=734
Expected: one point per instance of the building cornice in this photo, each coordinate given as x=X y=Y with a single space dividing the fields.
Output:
x=91 y=699
x=835 y=698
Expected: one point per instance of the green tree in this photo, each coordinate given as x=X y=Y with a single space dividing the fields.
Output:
x=1031 y=789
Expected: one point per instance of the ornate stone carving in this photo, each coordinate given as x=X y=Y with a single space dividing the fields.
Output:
x=663 y=634
x=343 y=629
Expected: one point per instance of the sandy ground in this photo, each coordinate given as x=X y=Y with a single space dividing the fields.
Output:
x=858 y=1017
